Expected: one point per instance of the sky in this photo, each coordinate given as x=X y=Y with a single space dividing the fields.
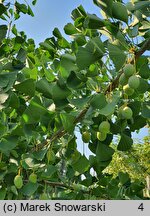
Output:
x=50 y=14
x=56 y=13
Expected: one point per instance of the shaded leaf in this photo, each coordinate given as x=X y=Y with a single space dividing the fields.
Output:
x=125 y=143
x=39 y=155
x=146 y=110
x=144 y=71
x=81 y=165
x=93 y=22
x=73 y=81
x=123 y=177
x=78 y=12
x=67 y=64
x=88 y=55
x=117 y=55
x=21 y=56
x=30 y=12
x=3 y=32
x=105 y=5
x=44 y=87
x=67 y=121
x=21 y=7
x=80 y=39
x=119 y=11
x=139 y=122
x=48 y=46
x=17 y=64
x=34 y=2
x=70 y=29
x=137 y=5
x=133 y=31
x=79 y=102
x=2 y=193
x=136 y=107
x=98 y=101
x=26 y=87
x=143 y=87
x=8 y=143
x=104 y=152
x=13 y=100
x=2 y=9
x=48 y=172
x=63 y=43
x=59 y=93
x=57 y=33
x=109 y=108
x=29 y=189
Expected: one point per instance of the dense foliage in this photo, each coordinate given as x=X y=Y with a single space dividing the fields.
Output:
x=96 y=84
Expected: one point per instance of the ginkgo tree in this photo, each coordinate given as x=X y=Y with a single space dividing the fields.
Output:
x=96 y=83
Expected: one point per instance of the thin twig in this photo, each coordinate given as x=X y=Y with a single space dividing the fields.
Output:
x=58 y=184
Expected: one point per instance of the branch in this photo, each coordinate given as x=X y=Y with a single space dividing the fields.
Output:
x=58 y=184
x=146 y=46
x=60 y=133
x=81 y=115
x=62 y=185
x=114 y=83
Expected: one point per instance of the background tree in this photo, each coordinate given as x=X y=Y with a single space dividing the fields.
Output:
x=97 y=83
x=135 y=163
